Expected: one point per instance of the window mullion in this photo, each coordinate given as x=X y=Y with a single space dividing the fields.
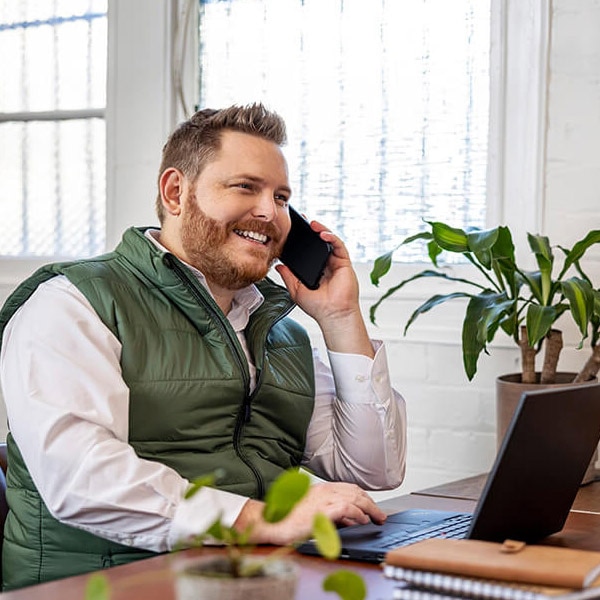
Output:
x=53 y=115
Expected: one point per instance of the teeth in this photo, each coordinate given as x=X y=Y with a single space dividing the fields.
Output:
x=253 y=235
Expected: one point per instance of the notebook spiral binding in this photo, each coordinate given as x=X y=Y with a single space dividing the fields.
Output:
x=419 y=585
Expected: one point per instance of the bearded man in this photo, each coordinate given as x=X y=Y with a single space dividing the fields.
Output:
x=127 y=375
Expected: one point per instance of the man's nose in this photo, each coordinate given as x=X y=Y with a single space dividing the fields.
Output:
x=265 y=207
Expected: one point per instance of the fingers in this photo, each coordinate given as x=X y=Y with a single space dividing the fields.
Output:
x=290 y=281
x=339 y=248
x=346 y=503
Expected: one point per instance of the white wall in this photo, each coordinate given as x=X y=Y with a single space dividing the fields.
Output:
x=545 y=176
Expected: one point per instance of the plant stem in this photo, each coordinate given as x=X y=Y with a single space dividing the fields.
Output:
x=554 y=344
x=497 y=285
x=527 y=358
x=591 y=367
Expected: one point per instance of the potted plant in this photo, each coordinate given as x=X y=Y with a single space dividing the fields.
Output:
x=502 y=296
x=239 y=574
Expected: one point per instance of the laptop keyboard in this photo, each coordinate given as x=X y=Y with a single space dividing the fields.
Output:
x=455 y=527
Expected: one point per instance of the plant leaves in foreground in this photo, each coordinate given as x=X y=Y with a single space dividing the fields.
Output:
x=346 y=584
x=326 y=537
x=285 y=492
x=97 y=588
x=208 y=480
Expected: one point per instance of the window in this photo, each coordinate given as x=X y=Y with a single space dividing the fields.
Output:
x=52 y=101
x=386 y=103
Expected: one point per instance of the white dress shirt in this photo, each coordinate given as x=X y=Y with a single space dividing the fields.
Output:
x=68 y=410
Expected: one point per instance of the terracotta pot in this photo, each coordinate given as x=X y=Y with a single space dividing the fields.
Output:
x=508 y=393
x=194 y=583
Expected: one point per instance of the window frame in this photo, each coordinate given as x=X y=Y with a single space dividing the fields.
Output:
x=148 y=85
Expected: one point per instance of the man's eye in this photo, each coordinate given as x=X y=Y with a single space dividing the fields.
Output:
x=282 y=200
x=244 y=186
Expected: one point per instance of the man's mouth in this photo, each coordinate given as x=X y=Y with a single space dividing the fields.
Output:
x=255 y=236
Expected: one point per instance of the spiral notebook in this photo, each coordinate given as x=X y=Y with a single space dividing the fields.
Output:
x=529 y=491
x=488 y=570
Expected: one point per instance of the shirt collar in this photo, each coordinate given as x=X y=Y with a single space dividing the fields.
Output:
x=245 y=300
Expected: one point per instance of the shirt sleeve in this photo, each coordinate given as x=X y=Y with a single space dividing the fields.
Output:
x=68 y=411
x=358 y=428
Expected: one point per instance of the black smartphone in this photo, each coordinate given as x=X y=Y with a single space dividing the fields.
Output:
x=304 y=252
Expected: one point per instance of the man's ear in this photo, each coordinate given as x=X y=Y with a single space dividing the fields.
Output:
x=171 y=185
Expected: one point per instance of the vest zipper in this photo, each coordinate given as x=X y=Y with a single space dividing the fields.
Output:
x=260 y=484
x=198 y=296
x=246 y=411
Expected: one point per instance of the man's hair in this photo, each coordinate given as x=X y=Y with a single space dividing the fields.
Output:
x=195 y=142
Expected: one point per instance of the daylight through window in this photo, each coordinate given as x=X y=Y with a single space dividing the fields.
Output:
x=386 y=104
x=52 y=100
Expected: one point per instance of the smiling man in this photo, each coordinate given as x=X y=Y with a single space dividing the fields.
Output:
x=127 y=375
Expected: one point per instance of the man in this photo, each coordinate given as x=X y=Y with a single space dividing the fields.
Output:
x=127 y=375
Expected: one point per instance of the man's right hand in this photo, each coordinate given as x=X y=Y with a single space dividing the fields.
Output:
x=344 y=503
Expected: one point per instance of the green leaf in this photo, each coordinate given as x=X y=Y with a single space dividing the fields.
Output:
x=481 y=244
x=217 y=531
x=539 y=321
x=504 y=247
x=433 y=250
x=285 y=492
x=383 y=263
x=97 y=587
x=431 y=303
x=485 y=259
x=579 y=249
x=421 y=275
x=495 y=308
x=534 y=283
x=449 y=238
x=595 y=319
x=347 y=584
x=480 y=241
x=503 y=253
x=423 y=235
x=540 y=246
x=327 y=538
x=580 y=295
x=381 y=266
x=472 y=343
x=203 y=481
x=597 y=303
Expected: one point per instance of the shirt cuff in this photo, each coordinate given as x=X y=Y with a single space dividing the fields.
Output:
x=195 y=515
x=360 y=379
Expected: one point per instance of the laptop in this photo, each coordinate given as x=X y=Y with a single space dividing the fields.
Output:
x=529 y=490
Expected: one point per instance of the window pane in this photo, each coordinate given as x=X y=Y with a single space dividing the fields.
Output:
x=54 y=170
x=53 y=202
x=58 y=55
x=386 y=105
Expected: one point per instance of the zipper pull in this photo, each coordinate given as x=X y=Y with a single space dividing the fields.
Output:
x=247 y=412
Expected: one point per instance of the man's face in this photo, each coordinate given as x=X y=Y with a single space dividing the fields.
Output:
x=235 y=217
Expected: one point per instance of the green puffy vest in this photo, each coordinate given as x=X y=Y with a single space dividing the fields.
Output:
x=190 y=405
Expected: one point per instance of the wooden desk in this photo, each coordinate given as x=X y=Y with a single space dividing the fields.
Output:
x=154 y=578
x=587 y=500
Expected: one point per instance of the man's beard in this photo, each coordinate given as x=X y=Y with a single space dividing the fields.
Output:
x=204 y=242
